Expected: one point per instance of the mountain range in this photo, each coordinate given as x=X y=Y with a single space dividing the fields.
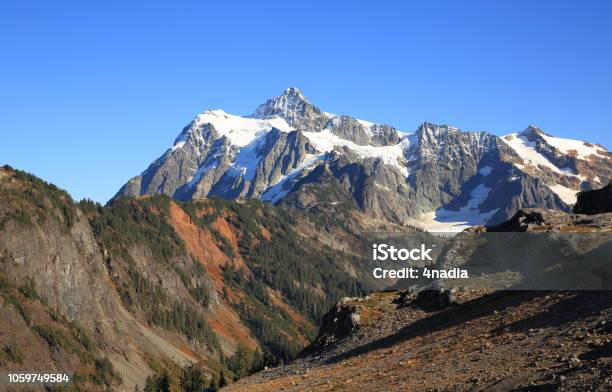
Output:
x=290 y=152
x=224 y=256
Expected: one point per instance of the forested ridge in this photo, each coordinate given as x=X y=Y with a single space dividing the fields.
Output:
x=276 y=279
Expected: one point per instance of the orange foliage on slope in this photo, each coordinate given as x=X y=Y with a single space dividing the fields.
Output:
x=201 y=245
x=221 y=225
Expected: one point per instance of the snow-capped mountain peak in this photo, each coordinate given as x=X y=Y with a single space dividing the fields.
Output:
x=293 y=92
x=539 y=147
x=578 y=148
x=288 y=103
x=290 y=151
x=293 y=106
x=531 y=130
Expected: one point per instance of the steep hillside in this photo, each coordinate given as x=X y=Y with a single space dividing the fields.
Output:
x=504 y=341
x=473 y=337
x=144 y=287
x=290 y=152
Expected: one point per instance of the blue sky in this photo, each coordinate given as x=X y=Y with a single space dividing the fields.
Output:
x=92 y=92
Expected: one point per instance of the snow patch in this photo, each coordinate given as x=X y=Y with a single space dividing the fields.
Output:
x=241 y=131
x=566 y=194
x=567 y=145
x=367 y=125
x=195 y=179
x=281 y=188
x=448 y=221
x=527 y=150
x=177 y=145
x=444 y=221
x=330 y=115
x=485 y=171
x=325 y=141
x=246 y=161
x=479 y=194
x=244 y=132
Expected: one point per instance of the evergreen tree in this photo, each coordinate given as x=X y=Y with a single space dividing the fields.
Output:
x=222 y=381
x=214 y=381
x=163 y=383
x=240 y=362
x=150 y=384
x=192 y=379
x=257 y=363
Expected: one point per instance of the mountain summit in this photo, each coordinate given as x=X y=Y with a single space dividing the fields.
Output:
x=438 y=177
x=293 y=106
x=290 y=101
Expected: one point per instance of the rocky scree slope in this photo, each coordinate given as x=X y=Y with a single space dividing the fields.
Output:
x=470 y=341
x=291 y=152
x=147 y=286
x=475 y=339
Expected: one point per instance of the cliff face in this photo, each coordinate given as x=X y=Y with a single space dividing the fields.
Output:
x=58 y=308
x=150 y=285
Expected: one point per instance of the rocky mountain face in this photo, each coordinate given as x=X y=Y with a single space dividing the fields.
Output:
x=145 y=287
x=290 y=152
x=293 y=107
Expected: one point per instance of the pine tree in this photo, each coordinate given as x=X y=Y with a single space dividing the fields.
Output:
x=257 y=362
x=163 y=383
x=150 y=384
x=241 y=361
x=222 y=381
x=192 y=379
x=214 y=381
